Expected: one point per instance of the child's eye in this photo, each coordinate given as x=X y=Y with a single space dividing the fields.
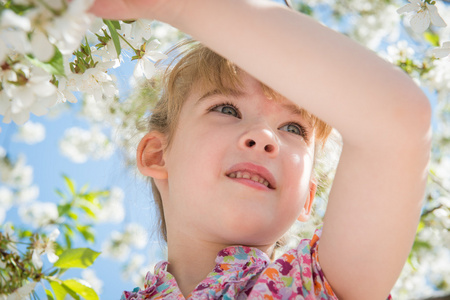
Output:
x=227 y=109
x=295 y=129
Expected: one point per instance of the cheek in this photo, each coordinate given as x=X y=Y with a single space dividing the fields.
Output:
x=298 y=171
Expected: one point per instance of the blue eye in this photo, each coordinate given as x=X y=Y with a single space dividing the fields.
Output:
x=227 y=109
x=294 y=128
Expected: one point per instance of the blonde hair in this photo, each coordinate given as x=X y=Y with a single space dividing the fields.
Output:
x=201 y=67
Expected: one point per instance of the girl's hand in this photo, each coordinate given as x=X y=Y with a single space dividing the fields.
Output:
x=163 y=10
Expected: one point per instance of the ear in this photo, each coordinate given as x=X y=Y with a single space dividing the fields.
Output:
x=149 y=155
x=306 y=211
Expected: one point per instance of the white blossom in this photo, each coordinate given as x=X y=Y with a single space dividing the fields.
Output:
x=399 y=52
x=17 y=101
x=68 y=29
x=27 y=194
x=423 y=15
x=2 y=215
x=31 y=133
x=119 y=243
x=91 y=278
x=442 y=51
x=17 y=175
x=6 y=198
x=94 y=81
x=136 y=33
x=79 y=145
x=39 y=214
x=63 y=93
x=45 y=246
x=113 y=209
x=146 y=65
x=22 y=292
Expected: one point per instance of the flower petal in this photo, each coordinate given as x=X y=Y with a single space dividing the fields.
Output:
x=55 y=233
x=41 y=46
x=36 y=259
x=420 y=21
x=11 y=19
x=149 y=68
x=441 y=52
x=408 y=8
x=52 y=257
x=436 y=19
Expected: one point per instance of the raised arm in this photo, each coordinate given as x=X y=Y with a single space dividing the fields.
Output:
x=383 y=117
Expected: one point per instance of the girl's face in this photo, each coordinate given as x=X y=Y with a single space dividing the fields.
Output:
x=239 y=167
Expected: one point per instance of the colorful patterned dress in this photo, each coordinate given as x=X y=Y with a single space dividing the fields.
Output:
x=247 y=273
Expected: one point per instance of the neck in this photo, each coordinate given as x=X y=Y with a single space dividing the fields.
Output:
x=191 y=261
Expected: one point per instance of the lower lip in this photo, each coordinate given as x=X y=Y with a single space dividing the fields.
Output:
x=251 y=183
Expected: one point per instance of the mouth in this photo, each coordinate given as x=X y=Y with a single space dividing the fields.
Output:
x=252 y=173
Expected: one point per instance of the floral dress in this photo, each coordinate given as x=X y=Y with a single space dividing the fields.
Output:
x=247 y=273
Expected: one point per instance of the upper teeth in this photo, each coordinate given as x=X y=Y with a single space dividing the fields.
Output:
x=247 y=175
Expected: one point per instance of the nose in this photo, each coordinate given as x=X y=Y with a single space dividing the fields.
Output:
x=260 y=139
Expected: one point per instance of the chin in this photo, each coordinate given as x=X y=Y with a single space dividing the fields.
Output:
x=252 y=232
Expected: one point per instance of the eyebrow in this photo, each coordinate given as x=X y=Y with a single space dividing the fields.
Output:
x=291 y=107
x=227 y=92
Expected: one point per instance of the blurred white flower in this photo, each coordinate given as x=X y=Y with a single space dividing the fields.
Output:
x=63 y=92
x=113 y=209
x=68 y=29
x=10 y=19
x=115 y=248
x=39 y=214
x=119 y=244
x=79 y=144
x=22 y=292
x=17 y=175
x=400 y=52
x=6 y=198
x=145 y=66
x=27 y=194
x=44 y=246
x=41 y=46
x=31 y=133
x=423 y=15
x=133 y=266
x=91 y=278
x=442 y=51
x=2 y=215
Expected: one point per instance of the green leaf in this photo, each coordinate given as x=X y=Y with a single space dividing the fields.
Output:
x=54 y=66
x=70 y=184
x=49 y=295
x=58 y=290
x=73 y=215
x=77 y=258
x=432 y=38
x=114 y=35
x=60 y=194
x=64 y=208
x=79 y=288
x=87 y=233
x=88 y=211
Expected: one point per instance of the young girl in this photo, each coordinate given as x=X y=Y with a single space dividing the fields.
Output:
x=232 y=160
